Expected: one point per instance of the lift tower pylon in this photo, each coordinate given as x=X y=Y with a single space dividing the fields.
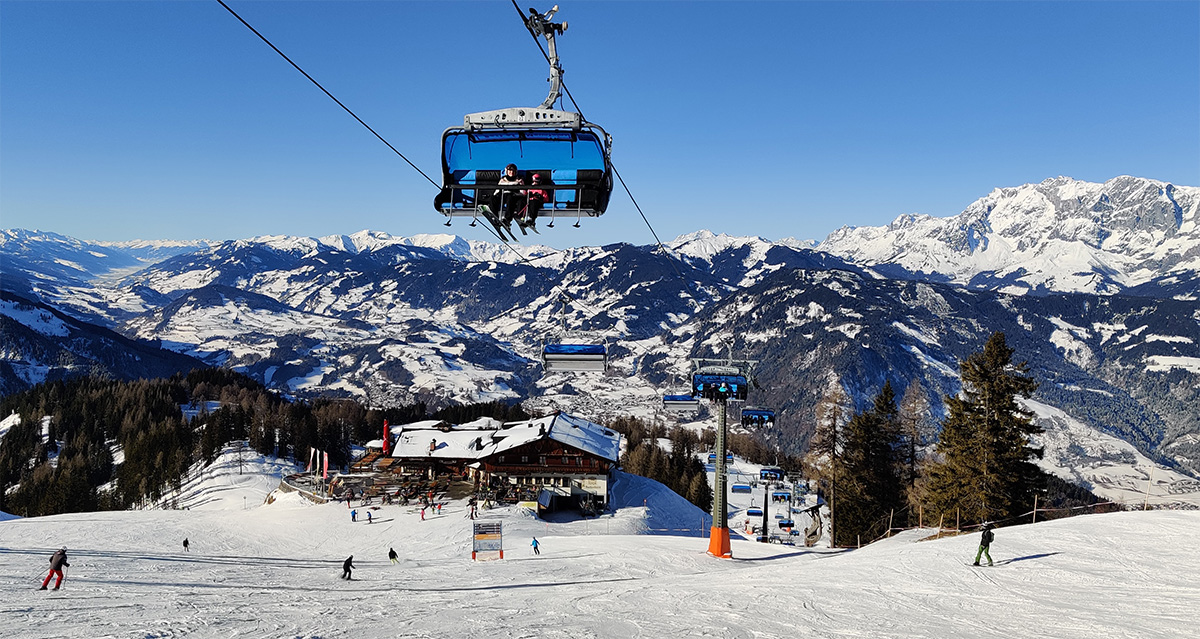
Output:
x=720 y=381
x=718 y=540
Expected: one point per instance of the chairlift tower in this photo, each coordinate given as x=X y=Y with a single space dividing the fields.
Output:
x=721 y=381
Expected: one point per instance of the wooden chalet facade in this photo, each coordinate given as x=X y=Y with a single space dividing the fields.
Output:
x=560 y=461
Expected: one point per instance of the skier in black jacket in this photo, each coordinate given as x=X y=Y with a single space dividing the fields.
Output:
x=985 y=542
x=347 y=566
x=56 y=564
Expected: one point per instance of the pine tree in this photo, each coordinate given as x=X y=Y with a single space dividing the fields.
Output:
x=823 y=461
x=987 y=472
x=637 y=461
x=871 y=489
x=700 y=492
x=914 y=417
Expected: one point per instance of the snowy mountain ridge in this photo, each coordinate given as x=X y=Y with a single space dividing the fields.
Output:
x=429 y=318
x=1058 y=235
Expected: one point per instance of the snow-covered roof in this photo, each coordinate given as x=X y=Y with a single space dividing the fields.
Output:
x=395 y=429
x=584 y=435
x=485 y=437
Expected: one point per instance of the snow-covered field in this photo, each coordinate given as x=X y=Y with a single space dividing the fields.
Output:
x=273 y=571
x=1109 y=467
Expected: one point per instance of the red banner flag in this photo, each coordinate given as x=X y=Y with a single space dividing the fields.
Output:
x=311 y=451
x=386 y=437
x=326 y=475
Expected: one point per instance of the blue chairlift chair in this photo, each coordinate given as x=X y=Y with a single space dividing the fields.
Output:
x=574 y=357
x=571 y=353
x=572 y=155
x=712 y=458
x=757 y=417
x=681 y=405
x=719 y=383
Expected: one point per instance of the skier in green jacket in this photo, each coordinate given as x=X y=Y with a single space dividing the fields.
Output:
x=985 y=542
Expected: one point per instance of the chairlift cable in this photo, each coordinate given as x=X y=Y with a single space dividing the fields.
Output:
x=331 y=96
x=578 y=110
x=670 y=258
x=556 y=285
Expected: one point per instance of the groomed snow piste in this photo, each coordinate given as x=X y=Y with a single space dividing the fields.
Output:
x=273 y=571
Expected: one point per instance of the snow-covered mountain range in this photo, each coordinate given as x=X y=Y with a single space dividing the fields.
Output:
x=441 y=319
x=1060 y=235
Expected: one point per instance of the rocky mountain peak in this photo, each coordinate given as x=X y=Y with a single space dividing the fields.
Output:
x=1060 y=234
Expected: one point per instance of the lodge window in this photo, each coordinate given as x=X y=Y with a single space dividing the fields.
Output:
x=595 y=463
x=524 y=459
x=502 y=459
x=565 y=460
x=578 y=461
x=542 y=460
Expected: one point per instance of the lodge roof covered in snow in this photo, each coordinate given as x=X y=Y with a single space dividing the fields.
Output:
x=485 y=437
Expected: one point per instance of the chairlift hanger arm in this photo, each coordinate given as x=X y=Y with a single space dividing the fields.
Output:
x=539 y=25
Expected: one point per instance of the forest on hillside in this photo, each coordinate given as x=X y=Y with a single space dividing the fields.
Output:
x=93 y=443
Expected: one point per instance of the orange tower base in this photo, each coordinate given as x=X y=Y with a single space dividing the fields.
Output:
x=718 y=543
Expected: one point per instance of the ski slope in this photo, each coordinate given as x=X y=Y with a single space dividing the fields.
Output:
x=272 y=570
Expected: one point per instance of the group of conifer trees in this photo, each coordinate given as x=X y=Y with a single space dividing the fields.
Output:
x=871 y=471
x=680 y=470
x=60 y=458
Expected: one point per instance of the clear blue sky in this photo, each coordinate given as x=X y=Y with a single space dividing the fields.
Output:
x=171 y=120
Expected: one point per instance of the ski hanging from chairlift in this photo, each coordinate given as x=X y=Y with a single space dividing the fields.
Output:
x=570 y=157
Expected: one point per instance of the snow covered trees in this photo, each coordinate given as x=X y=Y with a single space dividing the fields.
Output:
x=986 y=472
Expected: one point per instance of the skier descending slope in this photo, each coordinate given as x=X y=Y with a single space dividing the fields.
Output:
x=347 y=566
x=57 y=561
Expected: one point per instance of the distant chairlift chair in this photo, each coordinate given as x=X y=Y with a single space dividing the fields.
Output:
x=712 y=458
x=575 y=357
x=719 y=383
x=681 y=404
x=570 y=355
x=757 y=417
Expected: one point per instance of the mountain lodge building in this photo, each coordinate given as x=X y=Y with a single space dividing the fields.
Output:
x=560 y=461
